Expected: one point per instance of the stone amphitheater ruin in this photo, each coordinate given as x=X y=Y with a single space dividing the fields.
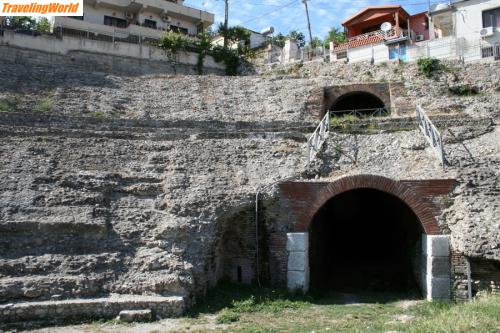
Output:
x=129 y=191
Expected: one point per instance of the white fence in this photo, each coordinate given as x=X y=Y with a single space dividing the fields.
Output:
x=464 y=48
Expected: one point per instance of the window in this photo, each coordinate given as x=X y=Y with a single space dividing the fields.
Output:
x=491 y=18
x=342 y=55
x=150 y=24
x=115 y=22
x=179 y=29
x=487 y=51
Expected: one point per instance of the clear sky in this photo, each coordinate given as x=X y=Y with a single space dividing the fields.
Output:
x=286 y=15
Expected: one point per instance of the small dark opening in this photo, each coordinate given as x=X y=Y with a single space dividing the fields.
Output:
x=362 y=102
x=239 y=274
x=364 y=240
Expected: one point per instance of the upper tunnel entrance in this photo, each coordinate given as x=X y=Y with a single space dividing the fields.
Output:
x=360 y=101
x=364 y=99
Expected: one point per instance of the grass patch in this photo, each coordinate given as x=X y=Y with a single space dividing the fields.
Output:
x=497 y=89
x=481 y=315
x=98 y=114
x=463 y=90
x=250 y=309
x=343 y=120
x=238 y=299
x=44 y=105
x=8 y=105
x=429 y=66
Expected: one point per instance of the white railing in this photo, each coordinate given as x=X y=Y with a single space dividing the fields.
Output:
x=318 y=138
x=431 y=134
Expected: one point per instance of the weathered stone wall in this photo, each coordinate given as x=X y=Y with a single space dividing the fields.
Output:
x=146 y=184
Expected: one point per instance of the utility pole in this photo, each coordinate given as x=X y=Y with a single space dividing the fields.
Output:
x=309 y=27
x=226 y=23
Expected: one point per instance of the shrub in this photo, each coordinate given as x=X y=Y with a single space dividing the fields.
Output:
x=173 y=42
x=229 y=57
x=428 y=66
x=44 y=105
x=8 y=105
x=463 y=90
x=227 y=316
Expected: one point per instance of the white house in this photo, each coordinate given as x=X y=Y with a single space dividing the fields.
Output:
x=126 y=18
x=475 y=24
x=257 y=40
x=463 y=29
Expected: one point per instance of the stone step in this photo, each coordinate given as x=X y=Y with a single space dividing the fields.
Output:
x=80 y=309
x=43 y=287
x=11 y=266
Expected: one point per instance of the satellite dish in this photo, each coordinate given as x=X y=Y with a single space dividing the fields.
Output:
x=267 y=31
x=386 y=26
x=205 y=4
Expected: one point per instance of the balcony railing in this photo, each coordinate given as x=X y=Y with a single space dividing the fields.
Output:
x=372 y=37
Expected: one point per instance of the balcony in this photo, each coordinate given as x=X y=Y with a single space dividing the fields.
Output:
x=161 y=6
x=85 y=29
x=374 y=37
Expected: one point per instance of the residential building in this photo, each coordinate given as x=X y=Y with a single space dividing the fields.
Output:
x=125 y=18
x=470 y=21
x=364 y=30
x=256 y=40
x=462 y=29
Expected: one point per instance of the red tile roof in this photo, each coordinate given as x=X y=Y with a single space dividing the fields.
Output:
x=359 y=42
x=372 y=8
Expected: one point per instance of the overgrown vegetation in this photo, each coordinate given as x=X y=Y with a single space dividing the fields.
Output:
x=42 y=25
x=429 y=66
x=252 y=309
x=8 y=105
x=238 y=47
x=335 y=35
x=343 y=120
x=463 y=90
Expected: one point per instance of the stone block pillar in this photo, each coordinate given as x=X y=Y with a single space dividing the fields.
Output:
x=333 y=56
x=290 y=51
x=436 y=281
x=297 y=247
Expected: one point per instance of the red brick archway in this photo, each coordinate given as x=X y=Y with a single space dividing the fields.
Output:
x=306 y=198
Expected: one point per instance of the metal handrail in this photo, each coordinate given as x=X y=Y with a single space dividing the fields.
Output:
x=363 y=112
x=431 y=134
x=318 y=137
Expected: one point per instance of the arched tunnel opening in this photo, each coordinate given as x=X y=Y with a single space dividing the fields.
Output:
x=364 y=240
x=362 y=102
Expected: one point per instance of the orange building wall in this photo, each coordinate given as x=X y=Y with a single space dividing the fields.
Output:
x=418 y=24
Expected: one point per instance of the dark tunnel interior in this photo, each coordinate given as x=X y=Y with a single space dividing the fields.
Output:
x=357 y=100
x=364 y=240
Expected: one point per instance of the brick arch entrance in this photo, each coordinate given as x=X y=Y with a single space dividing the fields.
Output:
x=302 y=201
x=421 y=207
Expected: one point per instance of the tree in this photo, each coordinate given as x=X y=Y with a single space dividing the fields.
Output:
x=316 y=42
x=21 y=22
x=233 y=35
x=279 y=40
x=335 y=35
x=43 y=25
x=298 y=37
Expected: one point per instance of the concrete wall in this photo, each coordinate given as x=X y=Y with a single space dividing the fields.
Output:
x=69 y=46
x=469 y=20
